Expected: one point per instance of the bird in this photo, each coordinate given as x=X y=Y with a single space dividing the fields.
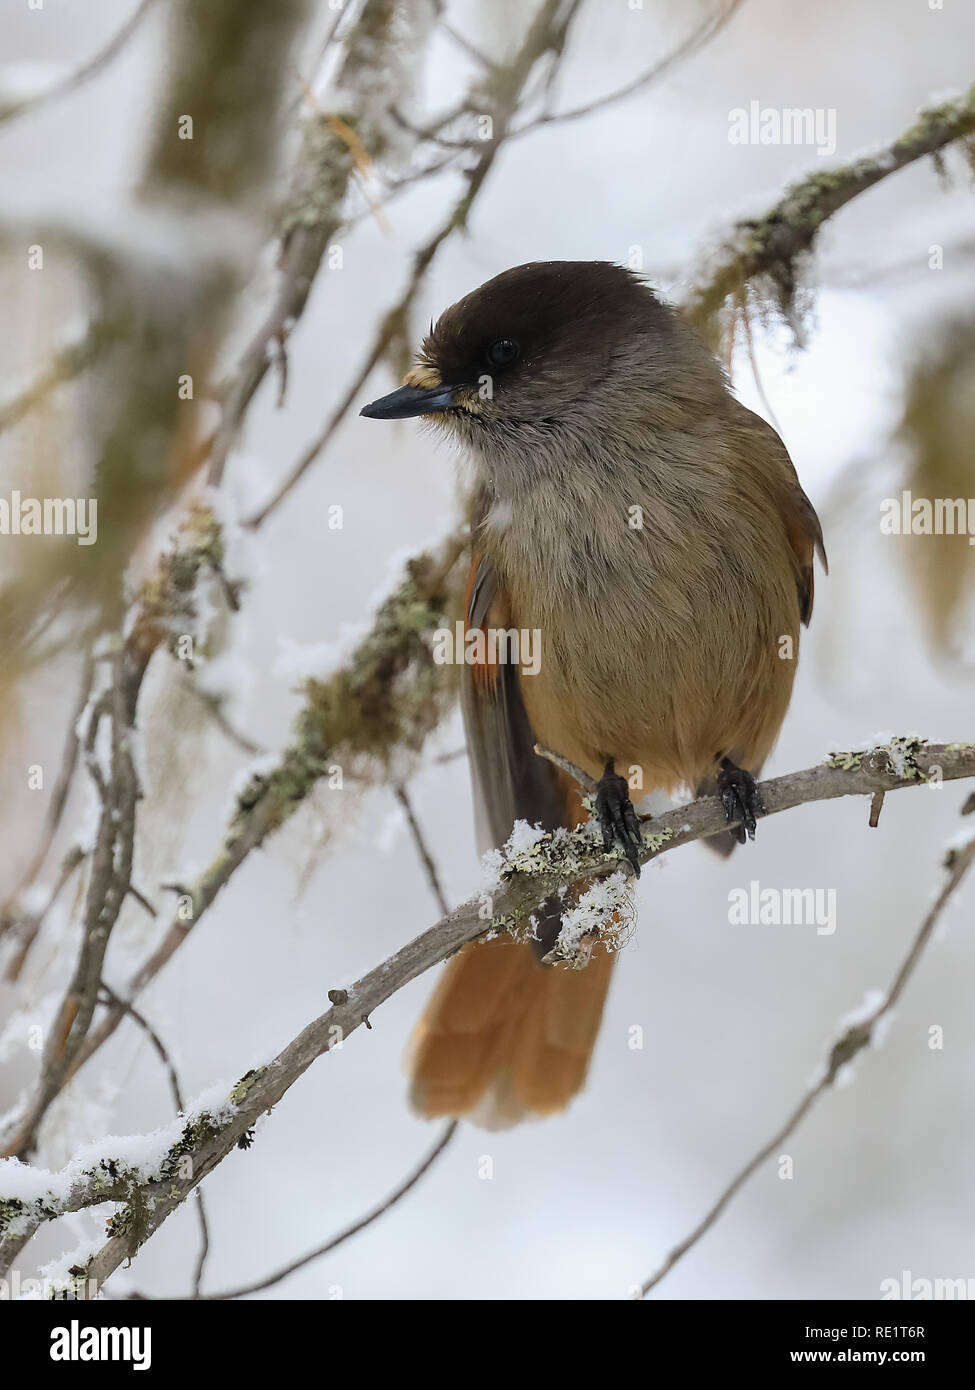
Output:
x=652 y=531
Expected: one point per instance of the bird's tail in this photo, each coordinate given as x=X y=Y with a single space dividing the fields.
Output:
x=504 y=1036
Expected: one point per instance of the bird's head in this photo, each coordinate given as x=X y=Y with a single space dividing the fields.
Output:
x=538 y=346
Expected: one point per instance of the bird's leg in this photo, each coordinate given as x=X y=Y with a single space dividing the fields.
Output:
x=740 y=798
x=616 y=816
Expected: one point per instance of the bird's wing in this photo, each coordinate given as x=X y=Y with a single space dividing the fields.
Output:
x=802 y=528
x=511 y=782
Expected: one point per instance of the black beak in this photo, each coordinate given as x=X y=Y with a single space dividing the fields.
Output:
x=410 y=400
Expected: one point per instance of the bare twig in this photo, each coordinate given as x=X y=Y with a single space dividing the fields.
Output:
x=395 y=1196
x=167 y=599
x=82 y=74
x=213 y=704
x=472 y=51
x=402 y=796
x=110 y=881
x=24 y=927
x=577 y=773
x=856 y=1037
x=68 y=363
x=59 y=792
x=699 y=37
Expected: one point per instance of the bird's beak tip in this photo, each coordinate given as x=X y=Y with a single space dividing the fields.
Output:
x=409 y=401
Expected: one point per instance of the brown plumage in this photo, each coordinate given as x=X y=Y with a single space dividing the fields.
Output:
x=653 y=531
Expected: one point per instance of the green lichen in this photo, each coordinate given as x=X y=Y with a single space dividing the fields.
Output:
x=11 y=1208
x=902 y=754
x=846 y=762
x=239 y=1093
x=899 y=754
x=195 y=1134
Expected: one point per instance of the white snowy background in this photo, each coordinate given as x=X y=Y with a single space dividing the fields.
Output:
x=735 y=1019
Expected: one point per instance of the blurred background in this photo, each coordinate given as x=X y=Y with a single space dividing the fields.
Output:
x=154 y=268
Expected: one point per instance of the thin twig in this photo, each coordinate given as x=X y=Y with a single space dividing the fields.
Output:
x=59 y=792
x=422 y=850
x=82 y=74
x=708 y=28
x=213 y=704
x=25 y=926
x=406 y=1186
x=577 y=773
x=857 y=1036
x=68 y=363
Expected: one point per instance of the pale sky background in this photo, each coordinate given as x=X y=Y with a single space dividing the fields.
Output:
x=735 y=1019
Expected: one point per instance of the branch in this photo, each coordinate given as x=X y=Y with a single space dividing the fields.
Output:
x=390 y=696
x=526 y=881
x=502 y=93
x=858 y=1034
x=315 y=209
x=773 y=244
x=68 y=363
x=82 y=74
x=165 y=611
x=159 y=1047
x=12 y=918
x=699 y=37
x=406 y=1186
x=422 y=849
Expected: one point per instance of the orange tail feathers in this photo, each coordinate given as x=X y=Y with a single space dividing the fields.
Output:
x=504 y=1036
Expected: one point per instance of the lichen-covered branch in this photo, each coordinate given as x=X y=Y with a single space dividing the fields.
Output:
x=499 y=94
x=384 y=702
x=770 y=248
x=165 y=611
x=525 y=881
x=380 y=52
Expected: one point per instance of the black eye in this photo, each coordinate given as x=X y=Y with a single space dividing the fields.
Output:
x=503 y=353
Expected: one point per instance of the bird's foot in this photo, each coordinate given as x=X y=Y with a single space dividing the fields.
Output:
x=741 y=799
x=617 y=818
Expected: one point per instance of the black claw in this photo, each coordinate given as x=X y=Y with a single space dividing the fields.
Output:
x=617 y=818
x=741 y=799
